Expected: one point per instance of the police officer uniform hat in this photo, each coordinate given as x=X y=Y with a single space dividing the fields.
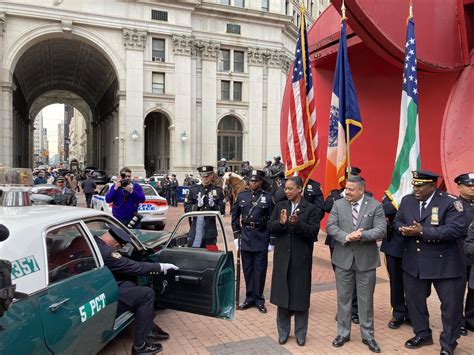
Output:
x=119 y=234
x=422 y=177
x=257 y=175
x=205 y=170
x=353 y=170
x=465 y=179
x=61 y=179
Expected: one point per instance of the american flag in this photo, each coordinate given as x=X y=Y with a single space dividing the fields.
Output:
x=300 y=144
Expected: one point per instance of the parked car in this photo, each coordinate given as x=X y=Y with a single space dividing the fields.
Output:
x=71 y=297
x=153 y=210
x=100 y=177
x=156 y=181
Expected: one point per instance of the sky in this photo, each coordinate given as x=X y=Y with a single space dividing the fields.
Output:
x=52 y=115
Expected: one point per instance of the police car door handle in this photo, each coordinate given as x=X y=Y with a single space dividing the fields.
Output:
x=195 y=280
x=54 y=307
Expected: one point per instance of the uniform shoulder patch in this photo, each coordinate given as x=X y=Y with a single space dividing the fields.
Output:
x=458 y=205
x=116 y=255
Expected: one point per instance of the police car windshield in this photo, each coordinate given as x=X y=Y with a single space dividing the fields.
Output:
x=148 y=190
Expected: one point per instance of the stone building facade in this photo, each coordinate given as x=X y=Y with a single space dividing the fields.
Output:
x=162 y=85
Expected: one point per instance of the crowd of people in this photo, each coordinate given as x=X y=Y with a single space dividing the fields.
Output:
x=423 y=241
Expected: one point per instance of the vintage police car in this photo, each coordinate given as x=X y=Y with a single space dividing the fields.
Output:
x=153 y=210
x=72 y=297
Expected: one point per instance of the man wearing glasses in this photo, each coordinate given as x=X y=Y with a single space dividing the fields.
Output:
x=125 y=197
x=65 y=196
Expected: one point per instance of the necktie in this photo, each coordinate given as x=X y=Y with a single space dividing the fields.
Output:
x=423 y=208
x=355 y=214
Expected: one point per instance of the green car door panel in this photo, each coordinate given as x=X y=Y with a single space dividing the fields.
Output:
x=21 y=328
x=78 y=313
x=204 y=283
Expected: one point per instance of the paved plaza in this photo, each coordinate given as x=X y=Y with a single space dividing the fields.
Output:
x=254 y=333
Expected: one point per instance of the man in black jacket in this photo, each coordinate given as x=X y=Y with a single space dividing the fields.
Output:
x=432 y=225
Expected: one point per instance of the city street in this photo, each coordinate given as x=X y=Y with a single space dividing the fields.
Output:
x=252 y=332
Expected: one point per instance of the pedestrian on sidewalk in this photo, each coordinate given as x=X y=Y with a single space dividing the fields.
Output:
x=88 y=187
x=295 y=227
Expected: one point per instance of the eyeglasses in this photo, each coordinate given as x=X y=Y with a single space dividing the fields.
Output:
x=128 y=176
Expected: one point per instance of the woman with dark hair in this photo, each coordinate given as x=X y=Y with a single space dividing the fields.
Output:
x=295 y=224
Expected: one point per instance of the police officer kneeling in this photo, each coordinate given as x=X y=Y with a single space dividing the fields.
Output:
x=250 y=215
x=137 y=299
x=432 y=225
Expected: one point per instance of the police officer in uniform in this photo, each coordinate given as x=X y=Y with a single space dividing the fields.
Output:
x=465 y=184
x=251 y=212
x=432 y=225
x=204 y=197
x=246 y=170
x=392 y=246
x=335 y=195
x=223 y=167
x=137 y=299
x=66 y=196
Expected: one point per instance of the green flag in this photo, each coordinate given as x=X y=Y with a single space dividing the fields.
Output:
x=408 y=148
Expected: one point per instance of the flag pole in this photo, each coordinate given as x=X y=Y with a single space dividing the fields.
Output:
x=348 y=168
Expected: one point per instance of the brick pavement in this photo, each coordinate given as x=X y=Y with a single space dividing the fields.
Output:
x=254 y=333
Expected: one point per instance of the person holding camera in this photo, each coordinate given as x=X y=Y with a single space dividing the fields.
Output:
x=125 y=197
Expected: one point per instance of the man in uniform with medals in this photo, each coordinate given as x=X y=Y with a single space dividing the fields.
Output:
x=204 y=197
x=432 y=225
x=250 y=214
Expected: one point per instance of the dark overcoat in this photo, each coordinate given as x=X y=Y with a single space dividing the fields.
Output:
x=293 y=255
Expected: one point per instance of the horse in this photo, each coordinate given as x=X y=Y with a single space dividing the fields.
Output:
x=233 y=183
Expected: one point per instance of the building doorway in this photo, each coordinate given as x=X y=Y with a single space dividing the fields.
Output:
x=157 y=144
x=230 y=141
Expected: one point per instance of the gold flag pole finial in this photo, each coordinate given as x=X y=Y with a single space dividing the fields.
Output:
x=343 y=11
x=411 y=8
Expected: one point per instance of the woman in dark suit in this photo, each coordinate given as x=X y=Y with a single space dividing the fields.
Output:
x=295 y=224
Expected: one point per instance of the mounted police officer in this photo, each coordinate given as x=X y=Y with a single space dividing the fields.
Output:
x=335 y=195
x=465 y=184
x=137 y=299
x=65 y=195
x=204 y=197
x=223 y=167
x=277 y=169
x=267 y=168
x=245 y=170
x=250 y=215
x=432 y=224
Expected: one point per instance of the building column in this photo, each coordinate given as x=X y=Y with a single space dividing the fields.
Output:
x=131 y=118
x=180 y=151
x=256 y=125
x=208 y=138
x=6 y=109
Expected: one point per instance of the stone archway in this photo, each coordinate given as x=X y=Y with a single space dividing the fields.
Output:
x=157 y=143
x=230 y=141
x=65 y=66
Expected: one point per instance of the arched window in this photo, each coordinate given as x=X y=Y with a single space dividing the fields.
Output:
x=229 y=141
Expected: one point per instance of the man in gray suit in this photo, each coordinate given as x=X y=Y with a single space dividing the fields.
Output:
x=356 y=222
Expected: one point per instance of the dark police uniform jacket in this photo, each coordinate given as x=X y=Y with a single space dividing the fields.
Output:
x=437 y=253
x=393 y=244
x=210 y=228
x=468 y=206
x=250 y=215
x=469 y=247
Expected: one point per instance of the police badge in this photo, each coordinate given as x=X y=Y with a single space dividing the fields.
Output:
x=214 y=193
x=434 y=216
x=116 y=255
x=458 y=205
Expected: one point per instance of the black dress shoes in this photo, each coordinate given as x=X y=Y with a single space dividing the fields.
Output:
x=446 y=352
x=417 y=342
x=157 y=334
x=282 y=341
x=463 y=331
x=262 y=308
x=245 y=305
x=395 y=323
x=300 y=342
x=147 y=349
x=340 y=341
x=372 y=344
x=355 y=319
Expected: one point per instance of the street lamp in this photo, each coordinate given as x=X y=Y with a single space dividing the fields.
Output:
x=135 y=135
x=184 y=136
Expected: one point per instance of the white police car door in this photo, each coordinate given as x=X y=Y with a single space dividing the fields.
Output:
x=78 y=310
